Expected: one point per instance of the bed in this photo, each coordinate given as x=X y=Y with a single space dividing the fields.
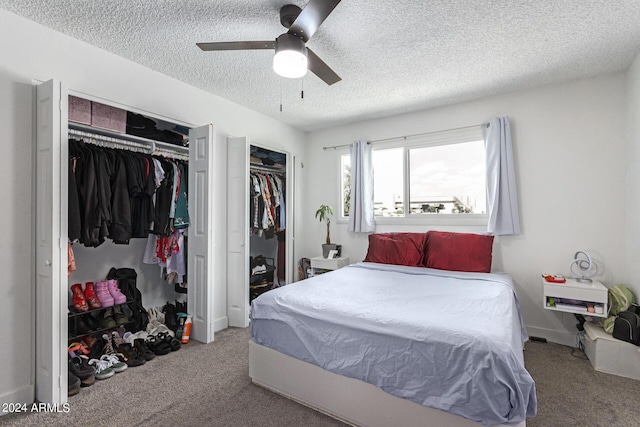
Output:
x=381 y=344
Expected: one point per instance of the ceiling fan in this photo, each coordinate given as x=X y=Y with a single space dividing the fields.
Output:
x=292 y=57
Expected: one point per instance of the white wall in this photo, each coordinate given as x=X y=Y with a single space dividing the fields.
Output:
x=633 y=177
x=30 y=51
x=569 y=144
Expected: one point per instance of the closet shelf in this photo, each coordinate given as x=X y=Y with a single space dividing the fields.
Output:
x=73 y=313
x=95 y=331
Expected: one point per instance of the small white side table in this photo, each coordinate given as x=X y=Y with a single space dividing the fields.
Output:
x=591 y=292
x=322 y=263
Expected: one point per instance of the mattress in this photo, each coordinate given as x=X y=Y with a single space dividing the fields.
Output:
x=447 y=340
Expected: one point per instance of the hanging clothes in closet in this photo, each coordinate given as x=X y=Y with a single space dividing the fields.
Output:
x=121 y=194
x=267 y=219
x=167 y=243
x=267 y=206
x=110 y=194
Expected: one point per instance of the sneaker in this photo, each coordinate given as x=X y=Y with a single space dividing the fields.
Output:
x=117 y=339
x=119 y=316
x=79 y=367
x=73 y=387
x=103 y=371
x=106 y=319
x=114 y=362
x=108 y=344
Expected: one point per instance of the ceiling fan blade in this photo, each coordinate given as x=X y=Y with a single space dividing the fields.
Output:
x=318 y=67
x=313 y=14
x=246 y=45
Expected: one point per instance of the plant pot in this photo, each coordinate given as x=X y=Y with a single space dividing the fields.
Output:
x=332 y=247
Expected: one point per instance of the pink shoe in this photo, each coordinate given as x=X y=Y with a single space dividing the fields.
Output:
x=102 y=292
x=118 y=296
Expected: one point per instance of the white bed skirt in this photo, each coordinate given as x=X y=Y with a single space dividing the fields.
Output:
x=347 y=399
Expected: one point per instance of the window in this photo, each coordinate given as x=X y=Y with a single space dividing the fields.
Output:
x=438 y=175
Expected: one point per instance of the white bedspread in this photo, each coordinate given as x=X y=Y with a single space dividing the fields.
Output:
x=447 y=340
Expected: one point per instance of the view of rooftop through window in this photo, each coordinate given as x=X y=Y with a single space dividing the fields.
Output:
x=442 y=179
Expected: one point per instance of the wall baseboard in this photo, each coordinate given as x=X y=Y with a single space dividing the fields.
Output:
x=554 y=336
x=220 y=324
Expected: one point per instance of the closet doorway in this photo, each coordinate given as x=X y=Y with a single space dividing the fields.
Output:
x=260 y=213
x=206 y=182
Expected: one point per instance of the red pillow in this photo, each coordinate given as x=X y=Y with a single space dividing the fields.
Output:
x=397 y=248
x=459 y=251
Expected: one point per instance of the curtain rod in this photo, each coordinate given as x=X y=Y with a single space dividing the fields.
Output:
x=407 y=136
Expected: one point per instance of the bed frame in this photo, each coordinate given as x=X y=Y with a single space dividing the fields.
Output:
x=347 y=399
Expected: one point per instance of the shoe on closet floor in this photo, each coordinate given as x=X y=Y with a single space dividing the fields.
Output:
x=73 y=385
x=130 y=356
x=90 y=296
x=107 y=344
x=114 y=290
x=114 y=362
x=117 y=339
x=103 y=371
x=157 y=346
x=119 y=316
x=79 y=367
x=78 y=327
x=102 y=292
x=77 y=348
x=79 y=301
x=91 y=322
x=170 y=316
x=170 y=340
x=106 y=319
x=142 y=349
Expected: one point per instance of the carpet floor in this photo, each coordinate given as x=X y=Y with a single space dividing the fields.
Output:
x=208 y=385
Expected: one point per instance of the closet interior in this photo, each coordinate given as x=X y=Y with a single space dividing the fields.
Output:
x=267 y=220
x=128 y=223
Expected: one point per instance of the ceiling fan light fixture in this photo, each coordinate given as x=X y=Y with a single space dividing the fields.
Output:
x=290 y=60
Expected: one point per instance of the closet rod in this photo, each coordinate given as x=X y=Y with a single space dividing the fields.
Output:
x=96 y=139
x=123 y=138
x=267 y=169
x=172 y=154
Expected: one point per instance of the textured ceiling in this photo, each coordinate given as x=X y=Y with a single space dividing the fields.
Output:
x=393 y=56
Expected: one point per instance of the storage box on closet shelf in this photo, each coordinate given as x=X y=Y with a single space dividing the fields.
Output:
x=97 y=115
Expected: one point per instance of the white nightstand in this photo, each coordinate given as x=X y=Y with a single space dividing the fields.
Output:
x=323 y=264
x=593 y=292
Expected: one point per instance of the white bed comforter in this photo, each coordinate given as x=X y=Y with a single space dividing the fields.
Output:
x=447 y=340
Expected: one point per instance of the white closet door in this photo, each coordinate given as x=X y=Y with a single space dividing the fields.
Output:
x=238 y=232
x=200 y=249
x=51 y=246
x=290 y=200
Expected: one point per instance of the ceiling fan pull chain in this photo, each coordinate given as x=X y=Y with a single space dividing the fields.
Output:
x=280 y=95
x=302 y=90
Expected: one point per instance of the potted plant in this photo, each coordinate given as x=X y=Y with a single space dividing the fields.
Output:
x=324 y=213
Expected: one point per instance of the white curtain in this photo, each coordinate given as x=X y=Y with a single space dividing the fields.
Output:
x=361 y=218
x=502 y=195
